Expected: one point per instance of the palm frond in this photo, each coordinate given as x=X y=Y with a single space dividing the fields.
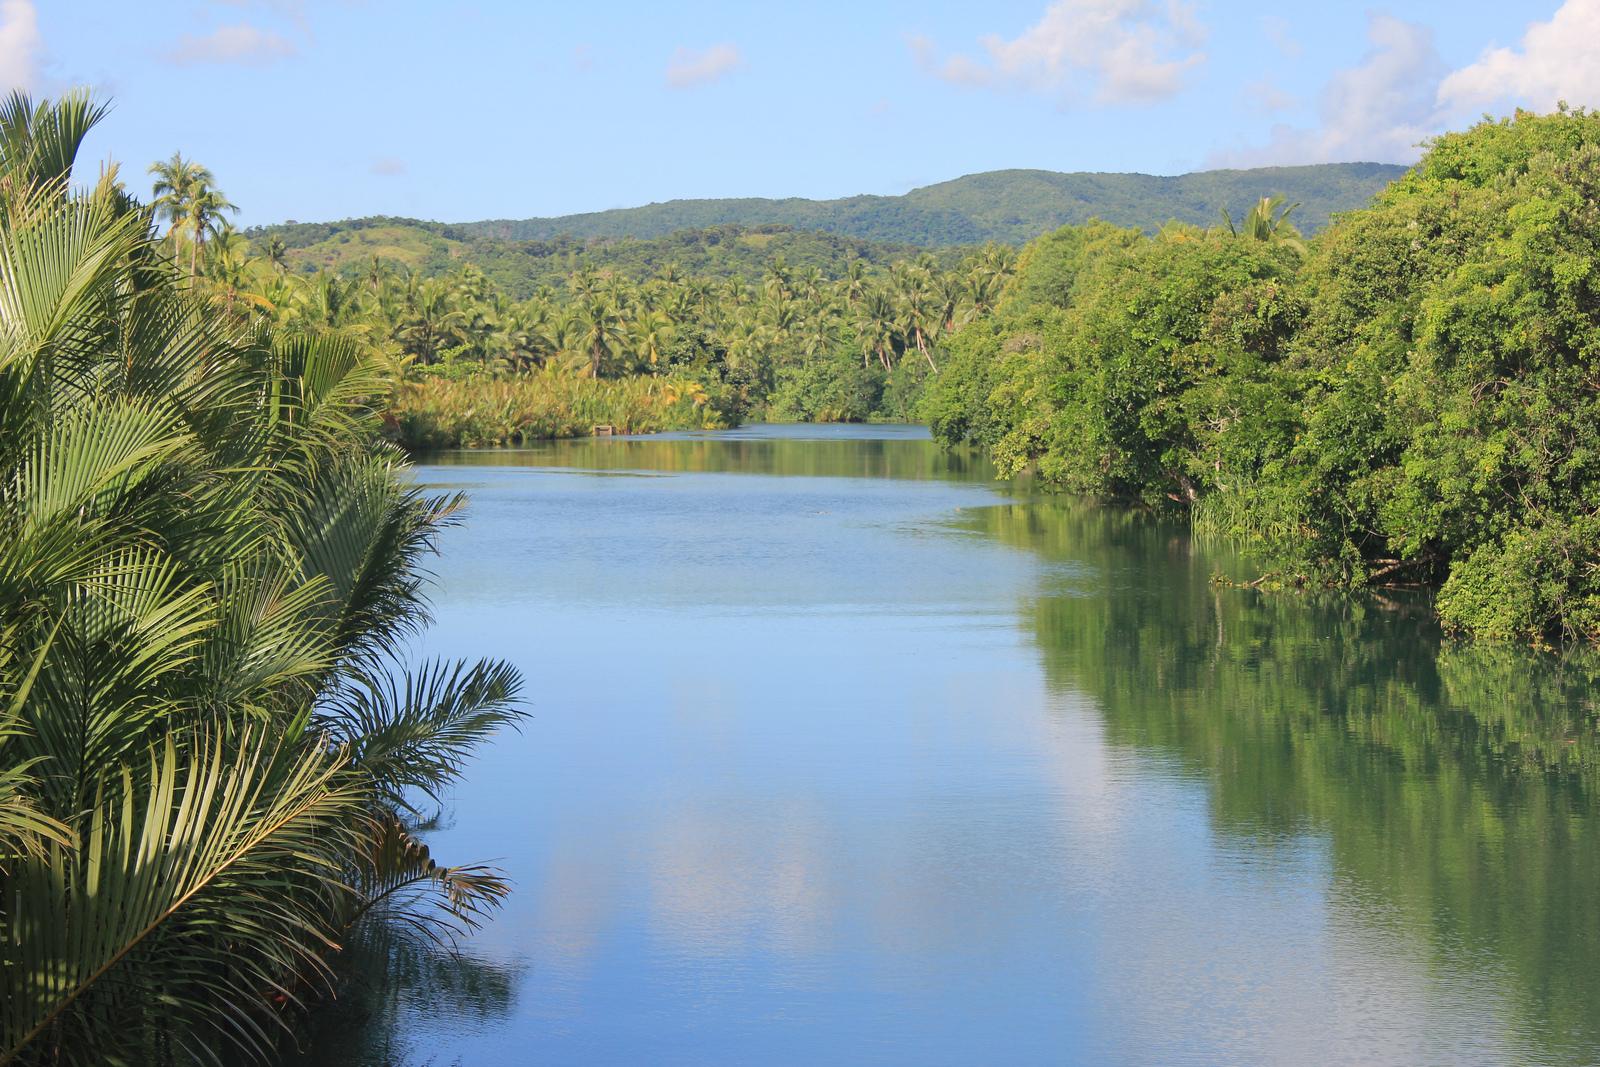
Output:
x=203 y=880
x=397 y=879
x=416 y=730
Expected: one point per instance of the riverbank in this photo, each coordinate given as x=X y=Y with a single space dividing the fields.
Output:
x=437 y=413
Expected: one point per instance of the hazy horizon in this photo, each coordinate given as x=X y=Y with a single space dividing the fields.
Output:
x=495 y=110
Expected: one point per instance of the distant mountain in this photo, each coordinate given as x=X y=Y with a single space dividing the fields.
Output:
x=1012 y=206
x=740 y=238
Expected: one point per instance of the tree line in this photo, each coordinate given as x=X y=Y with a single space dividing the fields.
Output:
x=792 y=344
x=1410 y=397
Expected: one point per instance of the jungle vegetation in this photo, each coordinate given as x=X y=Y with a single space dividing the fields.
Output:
x=1410 y=397
x=213 y=759
x=844 y=339
x=521 y=269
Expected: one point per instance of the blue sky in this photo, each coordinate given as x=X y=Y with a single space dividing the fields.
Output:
x=320 y=109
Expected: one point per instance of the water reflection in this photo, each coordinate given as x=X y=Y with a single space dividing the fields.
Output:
x=857 y=757
x=388 y=976
x=889 y=451
x=1454 y=786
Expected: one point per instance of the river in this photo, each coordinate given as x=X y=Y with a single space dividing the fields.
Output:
x=841 y=752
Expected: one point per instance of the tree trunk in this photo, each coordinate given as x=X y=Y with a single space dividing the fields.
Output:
x=923 y=348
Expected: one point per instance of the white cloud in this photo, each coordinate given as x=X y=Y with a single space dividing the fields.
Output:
x=1265 y=96
x=294 y=10
x=1276 y=27
x=1116 y=51
x=241 y=44
x=389 y=167
x=1379 y=110
x=1558 y=60
x=20 y=45
x=690 y=68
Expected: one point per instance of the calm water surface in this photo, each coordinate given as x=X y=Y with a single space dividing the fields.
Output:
x=842 y=753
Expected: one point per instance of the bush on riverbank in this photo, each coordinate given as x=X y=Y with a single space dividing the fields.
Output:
x=1413 y=396
x=433 y=413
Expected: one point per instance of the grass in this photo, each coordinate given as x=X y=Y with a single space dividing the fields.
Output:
x=434 y=413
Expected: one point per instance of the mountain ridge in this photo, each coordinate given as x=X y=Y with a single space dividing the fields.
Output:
x=740 y=237
x=1012 y=206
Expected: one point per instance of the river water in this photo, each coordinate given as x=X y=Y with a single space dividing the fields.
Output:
x=843 y=753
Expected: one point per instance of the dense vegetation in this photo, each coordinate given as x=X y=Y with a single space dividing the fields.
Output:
x=471 y=364
x=1006 y=206
x=522 y=268
x=1409 y=397
x=723 y=240
x=211 y=758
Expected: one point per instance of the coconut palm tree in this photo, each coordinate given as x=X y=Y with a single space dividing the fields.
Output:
x=949 y=293
x=203 y=220
x=854 y=283
x=601 y=331
x=276 y=252
x=650 y=337
x=1267 y=220
x=915 y=293
x=177 y=181
x=186 y=195
x=877 y=327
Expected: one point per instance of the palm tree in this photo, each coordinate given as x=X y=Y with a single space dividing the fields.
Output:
x=949 y=293
x=820 y=334
x=276 y=253
x=177 y=182
x=203 y=219
x=228 y=264
x=600 y=331
x=983 y=286
x=747 y=346
x=855 y=283
x=914 y=287
x=186 y=196
x=1267 y=220
x=651 y=336
x=429 y=318
x=877 y=327
x=208 y=576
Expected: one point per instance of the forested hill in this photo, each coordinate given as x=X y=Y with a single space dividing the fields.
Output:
x=522 y=267
x=1013 y=206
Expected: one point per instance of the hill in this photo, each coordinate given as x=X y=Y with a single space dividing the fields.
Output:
x=739 y=238
x=1012 y=206
x=521 y=267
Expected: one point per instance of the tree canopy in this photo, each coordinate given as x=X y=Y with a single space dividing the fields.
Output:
x=1408 y=397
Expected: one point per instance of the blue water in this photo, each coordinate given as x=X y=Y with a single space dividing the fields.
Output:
x=843 y=753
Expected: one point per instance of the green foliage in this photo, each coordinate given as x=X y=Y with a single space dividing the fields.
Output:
x=209 y=566
x=835 y=388
x=1408 y=397
x=776 y=344
x=522 y=268
x=476 y=411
